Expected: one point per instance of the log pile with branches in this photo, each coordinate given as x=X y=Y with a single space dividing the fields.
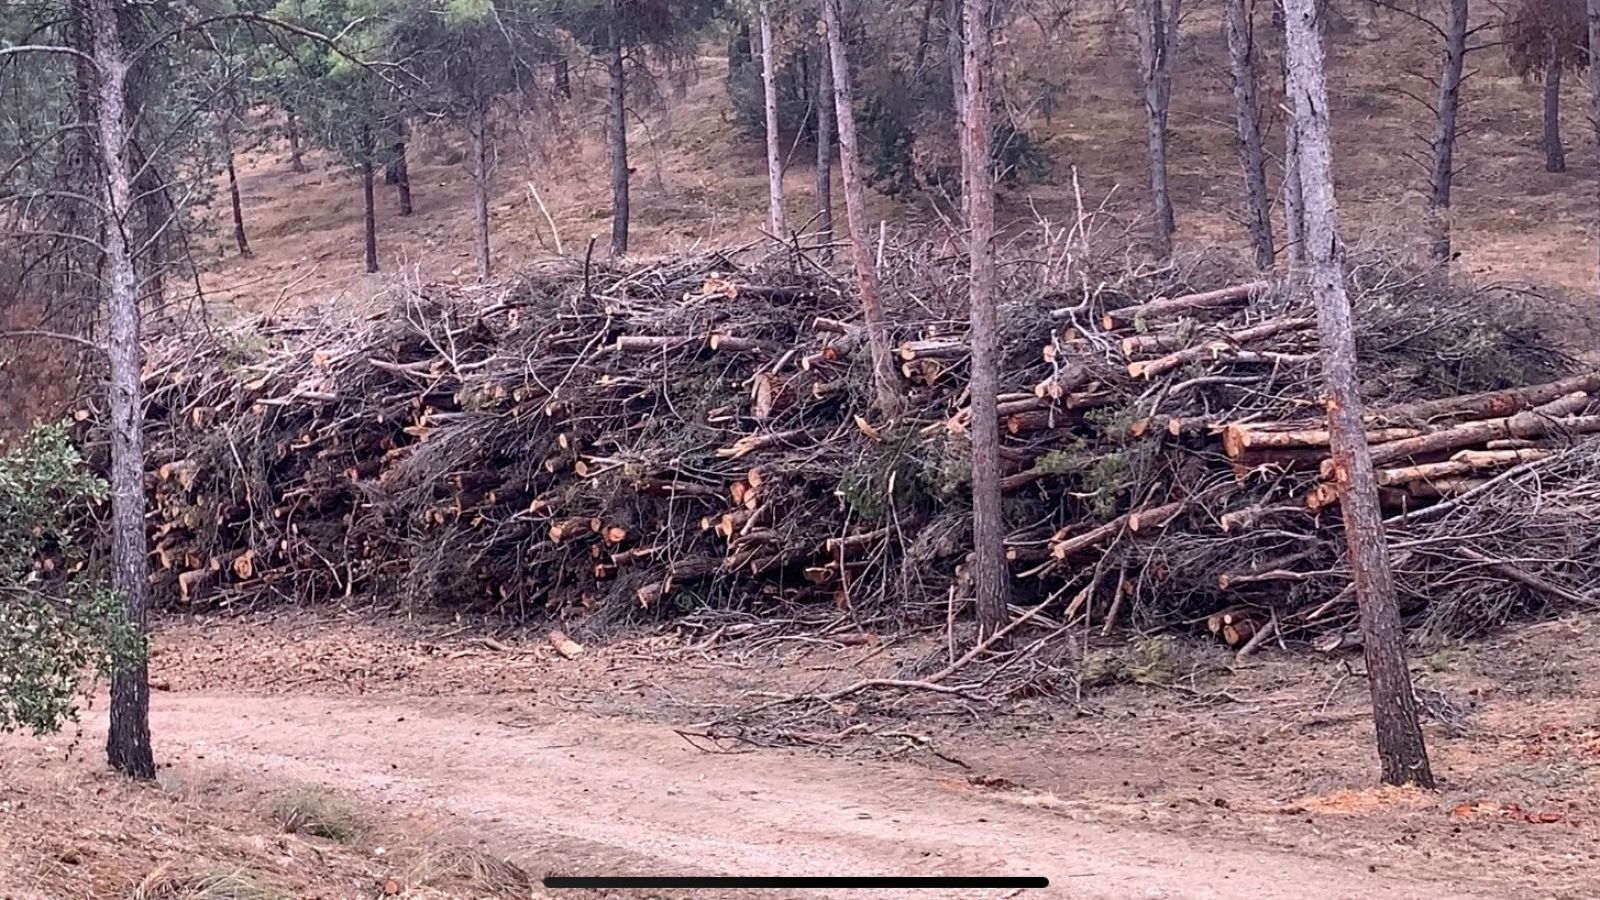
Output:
x=616 y=443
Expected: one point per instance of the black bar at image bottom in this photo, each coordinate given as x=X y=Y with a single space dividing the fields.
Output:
x=692 y=882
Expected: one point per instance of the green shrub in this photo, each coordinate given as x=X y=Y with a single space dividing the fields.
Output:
x=57 y=620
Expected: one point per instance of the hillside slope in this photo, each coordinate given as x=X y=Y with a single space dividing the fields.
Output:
x=699 y=181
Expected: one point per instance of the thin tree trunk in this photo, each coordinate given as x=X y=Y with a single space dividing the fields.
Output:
x=1555 y=154
x=777 y=221
x=924 y=33
x=991 y=577
x=825 y=159
x=79 y=279
x=369 y=205
x=855 y=206
x=1592 y=10
x=741 y=48
x=153 y=202
x=1294 y=223
x=1155 y=59
x=1242 y=57
x=402 y=171
x=128 y=742
x=239 y=238
x=297 y=161
x=563 y=79
x=1444 y=135
x=956 y=58
x=479 y=129
x=617 y=135
x=1401 y=753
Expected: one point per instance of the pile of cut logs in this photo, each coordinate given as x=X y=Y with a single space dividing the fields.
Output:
x=599 y=443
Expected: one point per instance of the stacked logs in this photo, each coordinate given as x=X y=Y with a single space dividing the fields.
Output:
x=693 y=432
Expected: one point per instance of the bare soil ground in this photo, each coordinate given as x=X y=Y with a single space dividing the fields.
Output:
x=1205 y=781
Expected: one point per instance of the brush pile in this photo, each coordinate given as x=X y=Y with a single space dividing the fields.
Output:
x=605 y=444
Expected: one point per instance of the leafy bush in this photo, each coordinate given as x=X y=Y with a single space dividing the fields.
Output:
x=57 y=622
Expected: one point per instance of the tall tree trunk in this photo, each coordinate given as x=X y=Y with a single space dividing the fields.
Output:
x=885 y=379
x=1242 y=58
x=369 y=205
x=1592 y=10
x=924 y=36
x=777 y=220
x=153 y=203
x=956 y=58
x=617 y=134
x=478 y=127
x=128 y=742
x=991 y=577
x=1444 y=135
x=741 y=47
x=825 y=159
x=239 y=238
x=1294 y=221
x=402 y=170
x=563 y=79
x=1156 y=39
x=297 y=161
x=1555 y=154
x=78 y=280
x=1401 y=752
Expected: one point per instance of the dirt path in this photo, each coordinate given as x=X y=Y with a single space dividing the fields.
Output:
x=576 y=794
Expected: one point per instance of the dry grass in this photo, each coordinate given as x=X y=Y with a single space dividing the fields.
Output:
x=165 y=884
x=315 y=812
x=70 y=829
x=465 y=872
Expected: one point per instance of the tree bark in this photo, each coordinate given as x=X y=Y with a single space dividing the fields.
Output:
x=825 y=160
x=1401 y=752
x=1555 y=154
x=1444 y=136
x=1294 y=221
x=403 y=182
x=924 y=33
x=1592 y=12
x=402 y=172
x=563 y=78
x=855 y=206
x=369 y=206
x=240 y=240
x=478 y=128
x=955 y=58
x=297 y=162
x=1156 y=39
x=991 y=577
x=617 y=134
x=777 y=220
x=1242 y=58
x=128 y=742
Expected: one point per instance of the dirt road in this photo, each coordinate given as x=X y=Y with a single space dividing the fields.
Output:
x=575 y=794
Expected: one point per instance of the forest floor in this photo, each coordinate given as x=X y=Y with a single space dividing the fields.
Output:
x=701 y=182
x=1194 y=778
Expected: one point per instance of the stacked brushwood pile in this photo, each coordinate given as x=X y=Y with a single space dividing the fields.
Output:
x=606 y=442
